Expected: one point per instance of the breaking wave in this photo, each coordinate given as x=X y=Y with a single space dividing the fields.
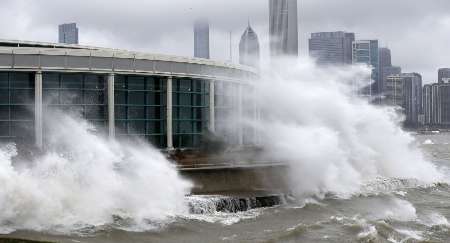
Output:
x=84 y=179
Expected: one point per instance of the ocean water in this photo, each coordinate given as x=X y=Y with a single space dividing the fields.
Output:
x=355 y=176
x=385 y=210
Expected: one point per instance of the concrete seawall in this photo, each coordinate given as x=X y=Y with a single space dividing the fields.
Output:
x=261 y=179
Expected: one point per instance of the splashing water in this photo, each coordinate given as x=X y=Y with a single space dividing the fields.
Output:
x=85 y=179
x=333 y=140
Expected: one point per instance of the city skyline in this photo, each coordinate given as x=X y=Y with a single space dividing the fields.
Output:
x=429 y=20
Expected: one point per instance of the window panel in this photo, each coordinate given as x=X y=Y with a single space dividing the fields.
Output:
x=4 y=96
x=50 y=80
x=95 y=112
x=136 y=112
x=4 y=112
x=71 y=81
x=4 y=128
x=136 y=97
x=4 y=80
x=21 y=80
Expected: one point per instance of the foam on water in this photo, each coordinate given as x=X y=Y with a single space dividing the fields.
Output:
x=334 y=141
x=84 y=179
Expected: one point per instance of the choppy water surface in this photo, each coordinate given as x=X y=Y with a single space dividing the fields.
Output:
x=386 y=210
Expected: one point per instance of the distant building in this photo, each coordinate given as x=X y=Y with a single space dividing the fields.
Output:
x=366 y=52
x=283 y=27
x=405 y=90
x=68 y=33
x=331 y=48
x=201 y=38
x=385 y=68
x=443 y=75
x=436 y=104
x=385 y=57
x=385 y=72
x=249 y=48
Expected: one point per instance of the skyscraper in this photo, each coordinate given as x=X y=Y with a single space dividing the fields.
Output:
x=366 y=52
x=283 y=27
x=443 y=75
x=68 y=33
x=385 y=57
x=331 y=48
x=249 y=48
x=201 y=38
x=405 y=90
x=436 y=104
x=385 y=68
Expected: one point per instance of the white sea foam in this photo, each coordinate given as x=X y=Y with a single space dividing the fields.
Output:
x=333 y=140
x=83 y=179
x=398 y=209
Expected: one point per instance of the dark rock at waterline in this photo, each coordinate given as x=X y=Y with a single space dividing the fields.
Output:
x=14 y=240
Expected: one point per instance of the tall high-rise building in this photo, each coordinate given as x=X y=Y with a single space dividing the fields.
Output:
x=249 y=48
x=283 y=28
x=331 y=48
x=443 y=75
x=201 y=38
x=366 y=52
x=385 y=68
x=405 y=90
x=436 y=104
x=68 y=33
x=385 y=57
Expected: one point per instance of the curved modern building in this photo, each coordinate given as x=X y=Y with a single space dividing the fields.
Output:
x=170 y=101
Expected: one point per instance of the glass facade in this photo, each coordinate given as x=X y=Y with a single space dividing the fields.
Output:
x=84 y=95
x=140 y=108
x=17 y=107
x=190 y=111
x=226 y=111
x=250 y=115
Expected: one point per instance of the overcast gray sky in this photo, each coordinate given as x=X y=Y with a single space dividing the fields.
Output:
x=417 y=31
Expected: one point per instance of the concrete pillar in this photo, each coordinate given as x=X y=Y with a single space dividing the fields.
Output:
x=212 y=116
x=169 y=114
x=111 y=116
x=240 y=117
x=38 y=109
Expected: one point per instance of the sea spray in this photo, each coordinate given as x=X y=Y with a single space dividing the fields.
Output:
x=333 y=139
x=85 y=179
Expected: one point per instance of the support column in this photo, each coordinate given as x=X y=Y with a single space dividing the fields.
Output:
x=212 y=115
x=240 y=117
x=38 y=109
x=169 y=113
x=111 y=115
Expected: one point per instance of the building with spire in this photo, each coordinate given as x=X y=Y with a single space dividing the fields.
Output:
x=283 y=28
x=249 y=48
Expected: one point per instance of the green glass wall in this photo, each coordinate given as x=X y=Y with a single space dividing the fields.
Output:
x=190 y=111
x=17 y=107
x=140 y=108
x=226 y=111
x=249 y=115
x=80 y=94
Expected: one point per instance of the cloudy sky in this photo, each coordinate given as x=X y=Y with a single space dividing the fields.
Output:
x=417 y=31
